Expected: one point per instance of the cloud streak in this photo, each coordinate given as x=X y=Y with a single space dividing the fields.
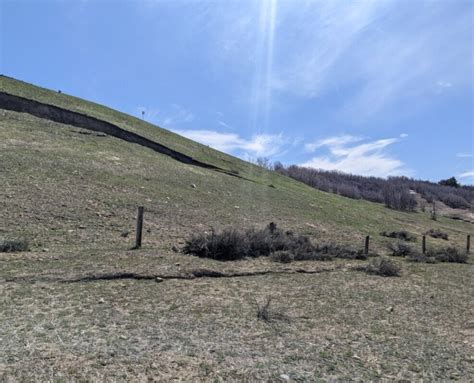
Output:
x=259 y=145
x=350 y=154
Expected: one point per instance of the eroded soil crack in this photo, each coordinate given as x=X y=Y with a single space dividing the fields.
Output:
x=193 y=274
x=68 y=117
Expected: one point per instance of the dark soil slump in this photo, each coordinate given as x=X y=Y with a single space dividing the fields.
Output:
x=64 y=116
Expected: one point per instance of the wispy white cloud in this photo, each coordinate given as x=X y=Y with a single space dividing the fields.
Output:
x=464 y=155
x=467 y=177
x=467 y=174
x=259 y=145
x=442 y=86
x=355 y=155
x=332 y=142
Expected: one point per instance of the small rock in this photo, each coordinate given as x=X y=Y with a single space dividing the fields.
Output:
x=148 y=230
x=193 y=186
x=177 y=264
x=101 y=300
x=158 y=279
x=284 y=377
x=237 y=207
x=175 y=249
x=389 y=309
x=45 y=250
x=82 y=227
x=125 y=234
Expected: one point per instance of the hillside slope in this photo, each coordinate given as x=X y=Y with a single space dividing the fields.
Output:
x=82 y=306
x=67 y=187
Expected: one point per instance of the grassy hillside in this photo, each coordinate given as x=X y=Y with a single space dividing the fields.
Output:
x=71 y=189
x=73 y=194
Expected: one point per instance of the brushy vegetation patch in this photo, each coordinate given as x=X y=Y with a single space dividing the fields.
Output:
x=448 y=254
x=401 y=235
x=283 y=246
x=14 y=245
x=383 y=267
x=401 y=249
x=394 y=191
x=436 y=233
x=232 y=244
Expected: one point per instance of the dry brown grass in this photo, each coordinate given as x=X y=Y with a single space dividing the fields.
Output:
x=342 y=324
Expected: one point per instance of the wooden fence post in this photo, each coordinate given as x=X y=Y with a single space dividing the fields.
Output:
x=366 y=248
x=138 y=238
x=468 y=244
x=423 y=245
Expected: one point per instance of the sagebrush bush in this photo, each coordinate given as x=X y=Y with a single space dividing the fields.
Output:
x=402 y=235
x=13 y=246
x=436 y=233
x=232 y=244
x=401 y=249
x=228 y=245
x=448 y=254
x=282 y=257
x=421 y=258
x=383 y=267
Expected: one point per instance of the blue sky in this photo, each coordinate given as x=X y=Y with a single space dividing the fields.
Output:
x=367 y=87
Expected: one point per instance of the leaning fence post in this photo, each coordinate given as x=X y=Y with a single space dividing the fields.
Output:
x=423 y=245
x=366 y=249
x=138 y=238
x=468 y=243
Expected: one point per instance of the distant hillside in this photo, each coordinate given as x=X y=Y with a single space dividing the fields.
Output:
x=382 y=190
x=73 y=173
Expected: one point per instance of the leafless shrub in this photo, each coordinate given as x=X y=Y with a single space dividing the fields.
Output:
x=267 y=313
x=372 y=188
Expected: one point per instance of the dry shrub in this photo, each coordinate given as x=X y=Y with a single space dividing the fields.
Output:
x=13 y=246
x=401 y=249
x=267 y=313
x=282 y=257
x=436 y=233
x=233 y=244
x=401 y=235
x=448 y=254
x=383 y=267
